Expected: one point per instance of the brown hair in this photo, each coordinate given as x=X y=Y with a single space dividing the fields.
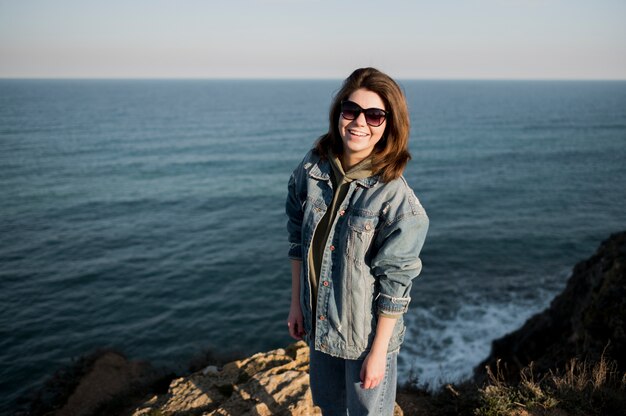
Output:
x=391 y=153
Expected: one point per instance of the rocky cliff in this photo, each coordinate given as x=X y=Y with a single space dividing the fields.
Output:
x=586 y=320
x=267 y=383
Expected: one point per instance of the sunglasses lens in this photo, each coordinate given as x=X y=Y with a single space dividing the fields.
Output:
x=374 y=117
x=350 y=112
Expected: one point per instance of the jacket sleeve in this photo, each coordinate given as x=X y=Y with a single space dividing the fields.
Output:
x=294 y=211
x=397 y=262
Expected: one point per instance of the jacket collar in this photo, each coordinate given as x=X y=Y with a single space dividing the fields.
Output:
x=321 y=170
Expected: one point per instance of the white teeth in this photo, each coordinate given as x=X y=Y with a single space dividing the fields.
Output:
x=357 y=133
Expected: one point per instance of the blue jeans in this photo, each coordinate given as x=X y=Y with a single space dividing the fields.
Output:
x=335 y=386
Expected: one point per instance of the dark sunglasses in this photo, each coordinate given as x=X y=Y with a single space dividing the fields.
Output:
x=373 y=116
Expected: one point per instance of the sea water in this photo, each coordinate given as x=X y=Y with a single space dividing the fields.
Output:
x=148 y=216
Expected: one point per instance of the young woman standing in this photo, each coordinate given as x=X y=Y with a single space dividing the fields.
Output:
x=355 y=230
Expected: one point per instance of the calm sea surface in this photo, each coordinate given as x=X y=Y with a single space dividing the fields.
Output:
x=149 y=215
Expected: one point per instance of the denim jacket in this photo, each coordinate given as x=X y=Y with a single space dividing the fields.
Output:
x=369 y=261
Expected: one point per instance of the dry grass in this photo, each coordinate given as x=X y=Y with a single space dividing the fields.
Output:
x=580 y=389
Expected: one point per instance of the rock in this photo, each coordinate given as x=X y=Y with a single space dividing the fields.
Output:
x=211 y=369
x=271 y=383
x=586 y=320
x=111 y=375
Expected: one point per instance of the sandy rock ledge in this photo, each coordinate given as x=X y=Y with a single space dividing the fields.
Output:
x=267 y=383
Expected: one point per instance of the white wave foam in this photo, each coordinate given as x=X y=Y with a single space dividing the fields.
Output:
x=443 y=345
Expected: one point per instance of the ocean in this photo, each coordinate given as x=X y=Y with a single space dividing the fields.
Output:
x=148 y=215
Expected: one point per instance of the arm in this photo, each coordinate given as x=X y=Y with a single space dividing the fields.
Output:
x=396 y=264
x=294 y=321
x=294 y=212
x=373 y=368
x=293 y=208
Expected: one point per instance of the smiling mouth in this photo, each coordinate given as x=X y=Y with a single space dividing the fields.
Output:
x=357 y=133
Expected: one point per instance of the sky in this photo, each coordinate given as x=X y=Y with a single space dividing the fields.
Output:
x=435 y=39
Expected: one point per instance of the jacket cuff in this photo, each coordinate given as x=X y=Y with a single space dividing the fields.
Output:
x=295 y=251
x=389 y=305
x=386 y=315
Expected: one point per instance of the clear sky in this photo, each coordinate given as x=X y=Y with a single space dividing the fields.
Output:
x=435 y=39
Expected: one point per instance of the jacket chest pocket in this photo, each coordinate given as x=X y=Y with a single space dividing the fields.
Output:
x=361 y=231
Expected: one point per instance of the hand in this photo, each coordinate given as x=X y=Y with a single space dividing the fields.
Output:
x=294 y=322
x=373 y=369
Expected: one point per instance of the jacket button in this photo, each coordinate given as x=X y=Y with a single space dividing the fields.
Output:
x=332 y=248
x=368 y=226
x=322 y=317
x=325 y=283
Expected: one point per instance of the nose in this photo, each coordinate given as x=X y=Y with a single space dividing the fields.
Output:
x=360 y=120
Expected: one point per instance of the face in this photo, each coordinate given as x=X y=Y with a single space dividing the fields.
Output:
x=357 y=136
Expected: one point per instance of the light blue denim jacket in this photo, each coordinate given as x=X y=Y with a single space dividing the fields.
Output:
x=369 y=260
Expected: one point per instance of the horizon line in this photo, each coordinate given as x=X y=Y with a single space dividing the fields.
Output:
x=97 y=78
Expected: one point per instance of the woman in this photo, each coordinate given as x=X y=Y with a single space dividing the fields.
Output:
x=355 y=231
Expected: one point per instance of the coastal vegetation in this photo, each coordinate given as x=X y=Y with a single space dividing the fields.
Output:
x=583 y=388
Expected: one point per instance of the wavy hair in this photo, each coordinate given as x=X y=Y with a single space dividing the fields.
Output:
x=391 y=153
